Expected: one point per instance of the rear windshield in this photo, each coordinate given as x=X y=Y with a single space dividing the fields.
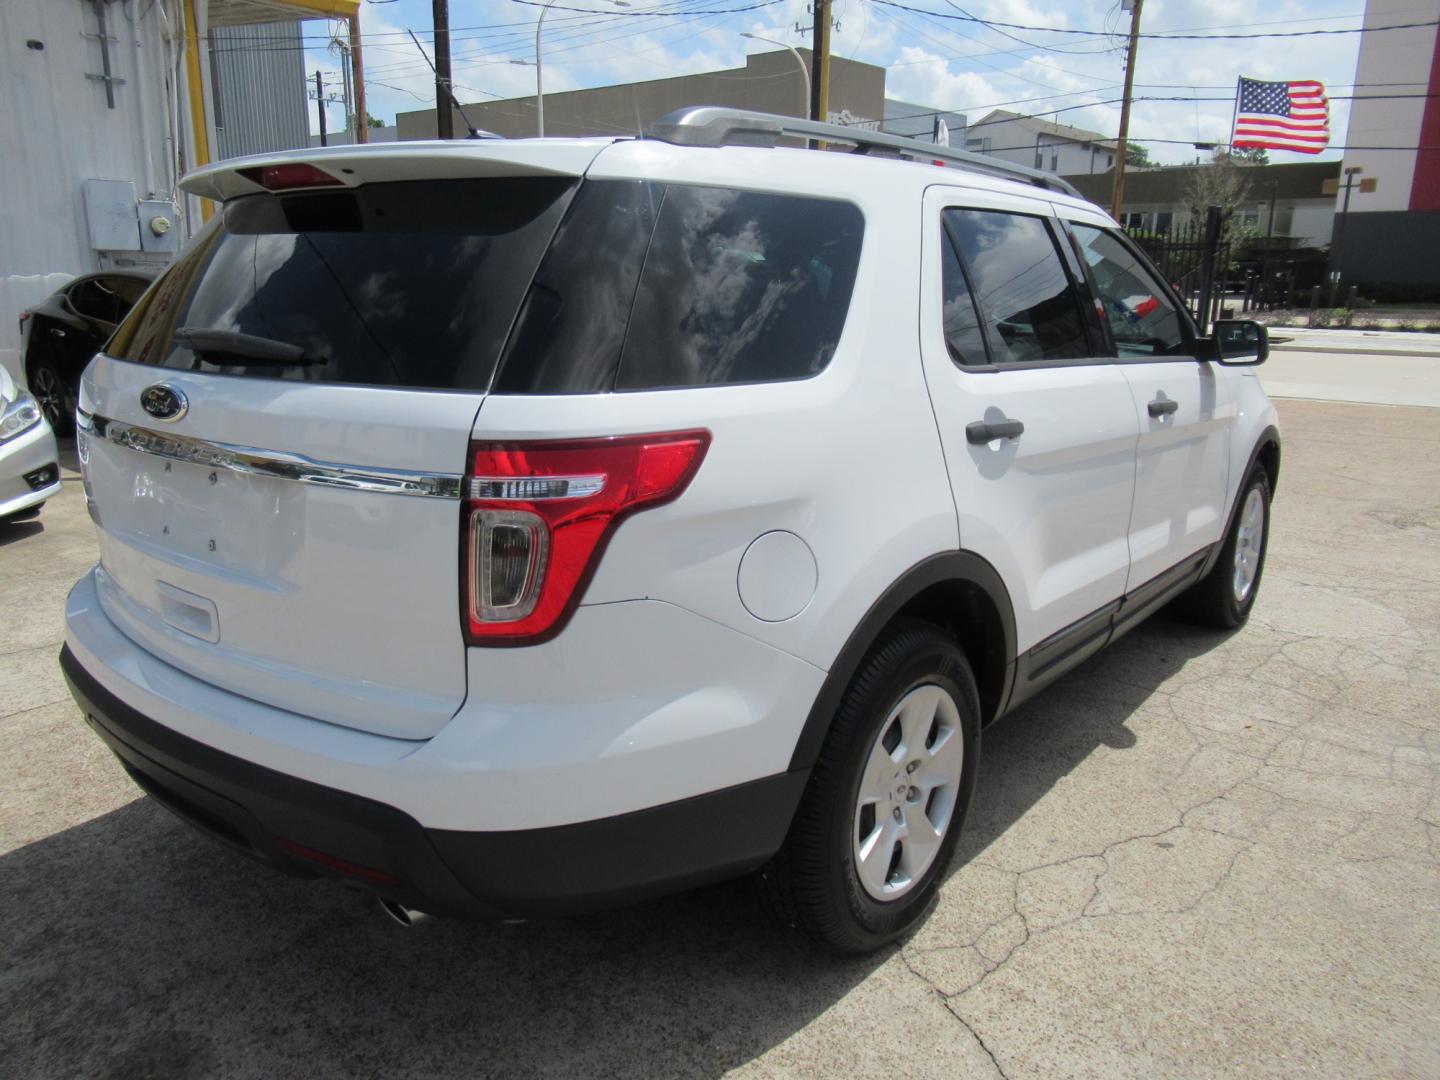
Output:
x=645 y=286
x=402 y=284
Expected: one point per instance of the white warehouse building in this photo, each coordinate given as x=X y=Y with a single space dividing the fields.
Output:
x=108 y=104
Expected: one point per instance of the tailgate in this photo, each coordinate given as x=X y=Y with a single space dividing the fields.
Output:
x=273 y=443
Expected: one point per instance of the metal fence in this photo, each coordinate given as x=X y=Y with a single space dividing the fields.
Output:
x=1193 y=256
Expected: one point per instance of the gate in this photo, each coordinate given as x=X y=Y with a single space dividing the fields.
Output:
x=1194 y=258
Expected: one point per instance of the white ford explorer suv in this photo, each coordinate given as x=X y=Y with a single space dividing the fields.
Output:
x=516 y=528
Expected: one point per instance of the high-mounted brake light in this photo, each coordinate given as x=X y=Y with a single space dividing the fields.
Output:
x=289 y=177
x=538 y=516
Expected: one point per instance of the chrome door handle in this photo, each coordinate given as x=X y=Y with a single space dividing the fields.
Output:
x=979 y=432
x=1162 y=407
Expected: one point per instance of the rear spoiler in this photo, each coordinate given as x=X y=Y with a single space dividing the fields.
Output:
x=428 y=160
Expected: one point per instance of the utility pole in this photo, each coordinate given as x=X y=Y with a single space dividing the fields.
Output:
x=320 y=106
x=444 y=119
x=357 y=79
x=820 y=63
x=1117 y=194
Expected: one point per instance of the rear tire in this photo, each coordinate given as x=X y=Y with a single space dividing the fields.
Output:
x=867 y=852
x=1224 y=597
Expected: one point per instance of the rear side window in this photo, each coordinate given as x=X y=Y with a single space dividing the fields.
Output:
x=740 y=287
x=410 y=284
x=1027 y=299
x=651 y=287
x=572 y=325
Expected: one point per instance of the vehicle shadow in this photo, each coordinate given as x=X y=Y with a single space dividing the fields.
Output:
x=1024 y=755
x=12 y=532
x=134 y=947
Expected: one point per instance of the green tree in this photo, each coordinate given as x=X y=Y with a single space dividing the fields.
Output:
x=1250 y=155
x=374 y=121
x=1137 y=156
x=1221 y=183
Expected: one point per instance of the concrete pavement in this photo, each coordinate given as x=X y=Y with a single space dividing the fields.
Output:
x=1200 y=854
x=1353 y=365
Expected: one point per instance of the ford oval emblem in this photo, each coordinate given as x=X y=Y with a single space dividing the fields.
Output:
x=163 y=402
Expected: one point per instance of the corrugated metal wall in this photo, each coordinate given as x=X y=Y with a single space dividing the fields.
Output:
x=57 y=130
x=258 y=89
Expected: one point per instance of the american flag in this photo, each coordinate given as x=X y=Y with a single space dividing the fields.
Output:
x=1282 y=116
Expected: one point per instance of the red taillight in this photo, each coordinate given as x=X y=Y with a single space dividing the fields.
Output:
x=537 y=516
x=289 y=177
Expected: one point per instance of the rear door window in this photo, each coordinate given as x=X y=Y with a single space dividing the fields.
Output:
x=411 y=284
x=1027 y=299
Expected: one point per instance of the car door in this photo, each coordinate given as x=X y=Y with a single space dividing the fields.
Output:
x=1182 y=462
x=1038 y=428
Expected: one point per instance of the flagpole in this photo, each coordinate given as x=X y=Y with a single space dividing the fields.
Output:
x=1235 y=114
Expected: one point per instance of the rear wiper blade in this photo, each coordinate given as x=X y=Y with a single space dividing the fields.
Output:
x=215 y=345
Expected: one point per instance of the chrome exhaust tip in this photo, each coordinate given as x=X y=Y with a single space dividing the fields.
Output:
x=405 y=916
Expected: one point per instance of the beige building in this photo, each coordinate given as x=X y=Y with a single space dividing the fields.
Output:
x=1304 y=213
x=769 y=82
x=1040 y=144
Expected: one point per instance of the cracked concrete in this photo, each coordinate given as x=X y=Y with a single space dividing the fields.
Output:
x=1199 y=854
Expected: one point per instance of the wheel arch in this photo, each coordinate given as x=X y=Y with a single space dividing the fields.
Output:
x=1267 y=453
x=956 y=590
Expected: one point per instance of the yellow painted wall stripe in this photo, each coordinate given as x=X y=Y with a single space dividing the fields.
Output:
x=338 y=9
x=197 y=99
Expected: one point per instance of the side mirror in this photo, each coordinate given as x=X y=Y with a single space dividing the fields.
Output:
x=1240 y=342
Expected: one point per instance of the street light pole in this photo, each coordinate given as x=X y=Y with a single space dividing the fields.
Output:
x=804 y=71
x=539 y=75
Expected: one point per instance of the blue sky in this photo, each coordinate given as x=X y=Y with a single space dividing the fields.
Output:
x=931 y=60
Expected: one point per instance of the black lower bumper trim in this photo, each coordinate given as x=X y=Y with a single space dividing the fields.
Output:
x=567 y=869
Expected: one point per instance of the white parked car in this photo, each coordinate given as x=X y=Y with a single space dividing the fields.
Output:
x=516 y=528
x=29 y=464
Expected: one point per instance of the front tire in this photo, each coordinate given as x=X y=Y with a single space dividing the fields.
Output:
x=883 y=810
x=1224 y=597
x=54 y=396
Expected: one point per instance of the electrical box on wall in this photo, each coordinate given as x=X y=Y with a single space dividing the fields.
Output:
x=110 y=214
x=159 y=226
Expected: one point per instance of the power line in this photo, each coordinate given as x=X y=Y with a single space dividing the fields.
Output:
x=1152 y=36
x=1115 y=101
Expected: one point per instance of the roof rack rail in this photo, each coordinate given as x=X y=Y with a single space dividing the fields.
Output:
x=713 y=125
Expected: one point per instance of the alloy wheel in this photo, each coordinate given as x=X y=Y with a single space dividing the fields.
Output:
x=1248 y=539
x=908 y=793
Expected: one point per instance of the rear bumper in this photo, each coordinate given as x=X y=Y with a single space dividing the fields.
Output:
x=308 y=829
